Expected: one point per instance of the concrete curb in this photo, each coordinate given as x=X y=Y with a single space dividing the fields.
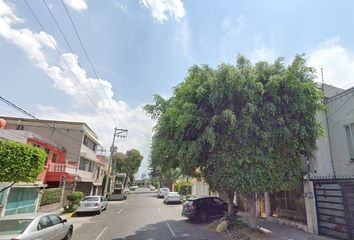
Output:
x=67 y=215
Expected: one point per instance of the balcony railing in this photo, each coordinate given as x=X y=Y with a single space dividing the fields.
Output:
x=55 y=167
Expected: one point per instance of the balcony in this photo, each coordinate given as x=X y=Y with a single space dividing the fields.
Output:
x=58 y=170
x=67 y=168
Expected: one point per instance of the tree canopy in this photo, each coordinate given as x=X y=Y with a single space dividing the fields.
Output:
x=128 y=163
x=20 y=162
x=241 y=127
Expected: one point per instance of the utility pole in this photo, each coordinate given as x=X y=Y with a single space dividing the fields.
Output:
x=118 y=133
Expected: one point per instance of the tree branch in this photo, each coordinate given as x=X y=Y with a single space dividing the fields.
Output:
x=7 y=187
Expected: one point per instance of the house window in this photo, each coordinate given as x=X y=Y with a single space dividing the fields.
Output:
x=54 y=158
x=36 y=145
x=349 y=130
x=89 y=143
x=86 y=165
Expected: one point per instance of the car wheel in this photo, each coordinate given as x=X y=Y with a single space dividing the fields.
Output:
x=69 y=234
x=203 y=217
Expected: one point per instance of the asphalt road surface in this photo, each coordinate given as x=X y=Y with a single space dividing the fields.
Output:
x=141 y=217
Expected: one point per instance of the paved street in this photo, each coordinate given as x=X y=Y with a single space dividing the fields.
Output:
x=142 y=216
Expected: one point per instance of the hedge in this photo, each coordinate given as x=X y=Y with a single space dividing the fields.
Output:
x=50 y=196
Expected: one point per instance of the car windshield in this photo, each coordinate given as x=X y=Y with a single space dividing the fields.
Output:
x=173 y=194
x=164 y=189
x=90 y=199
x=13 y=226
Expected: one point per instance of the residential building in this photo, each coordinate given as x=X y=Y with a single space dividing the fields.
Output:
x=79 y=143
x=24 y=197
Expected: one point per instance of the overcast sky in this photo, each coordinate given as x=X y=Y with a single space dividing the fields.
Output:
x=143 y=47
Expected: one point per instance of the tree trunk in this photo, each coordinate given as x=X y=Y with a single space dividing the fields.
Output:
x=7 y=187
x=230 y=203
x=252 y=201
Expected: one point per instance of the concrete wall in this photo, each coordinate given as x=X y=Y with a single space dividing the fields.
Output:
x=340 y=113
x=69 y=137
x=321 y=164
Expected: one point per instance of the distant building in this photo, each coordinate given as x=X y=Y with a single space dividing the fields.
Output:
x=79 y=143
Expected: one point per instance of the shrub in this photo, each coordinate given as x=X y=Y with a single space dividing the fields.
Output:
x=75 y=197
x=50 y=196
x=70 y=208
x=183 y=187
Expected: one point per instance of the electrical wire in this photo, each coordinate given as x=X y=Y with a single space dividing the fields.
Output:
x=72 y=51
x=87 y=56
x=65 y=62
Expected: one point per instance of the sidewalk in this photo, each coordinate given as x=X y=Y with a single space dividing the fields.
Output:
x=281 y=232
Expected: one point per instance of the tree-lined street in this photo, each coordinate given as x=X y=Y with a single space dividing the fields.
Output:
x=141 y=216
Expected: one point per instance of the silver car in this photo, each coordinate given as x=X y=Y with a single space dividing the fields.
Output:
x=29 y=226
x=92 y=204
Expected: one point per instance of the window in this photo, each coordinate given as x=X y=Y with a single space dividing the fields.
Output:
x=349 y=130
x=36 y=145
x=89 y=143
x=54 y=158
x=86 y=165
x=44 y=223
x=55 y=219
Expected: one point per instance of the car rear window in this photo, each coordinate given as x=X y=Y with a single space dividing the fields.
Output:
x=164 y=190
x=188 y=203
x=13 y=226
x=90 y=199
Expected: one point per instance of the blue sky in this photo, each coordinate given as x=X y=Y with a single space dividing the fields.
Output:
x=143 y=47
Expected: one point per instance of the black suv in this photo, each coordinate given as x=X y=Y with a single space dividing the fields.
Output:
x=204 y=208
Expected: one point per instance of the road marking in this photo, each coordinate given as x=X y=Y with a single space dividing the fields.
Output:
x=120 y=211
x=169 y=227
x=101 y=233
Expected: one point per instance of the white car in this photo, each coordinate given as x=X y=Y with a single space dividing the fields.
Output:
x=92 y=204
x=162 y=192
x=41 y=226
x=172 y=197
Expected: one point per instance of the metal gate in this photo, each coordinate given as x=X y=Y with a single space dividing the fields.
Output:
x=335 y=207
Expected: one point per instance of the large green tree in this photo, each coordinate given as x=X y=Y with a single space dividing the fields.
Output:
x=240 y=127
x=20 y=162
x=128 y=163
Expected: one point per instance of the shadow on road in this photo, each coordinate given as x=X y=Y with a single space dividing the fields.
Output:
x=171 y=229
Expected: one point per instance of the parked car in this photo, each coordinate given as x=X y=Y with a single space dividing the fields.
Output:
x=162 y=192
x=172 y=197
x=92 y=204
x=133 y=188
x=204 y=208
x=41 y=226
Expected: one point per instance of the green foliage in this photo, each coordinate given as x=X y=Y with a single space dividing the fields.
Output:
x=20 y=162
x=70 y=208
x=242 y=128
x=183 y=187
x=128 y=163
x=75 y=197
x=50 y=196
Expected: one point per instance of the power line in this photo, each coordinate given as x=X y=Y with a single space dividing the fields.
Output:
x=339 y=107
x=88 y=58
x=65 y=62
x=69 y=46
x=34 y=117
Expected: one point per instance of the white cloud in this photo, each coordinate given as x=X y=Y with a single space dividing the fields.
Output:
x=77 y=5
x=232 y=30
x=161 y=10
x=263 y=53
x=183 y=38
x=337 y=63
x=37 y=46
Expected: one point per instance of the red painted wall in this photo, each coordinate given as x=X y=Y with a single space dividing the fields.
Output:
x=52 y=150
